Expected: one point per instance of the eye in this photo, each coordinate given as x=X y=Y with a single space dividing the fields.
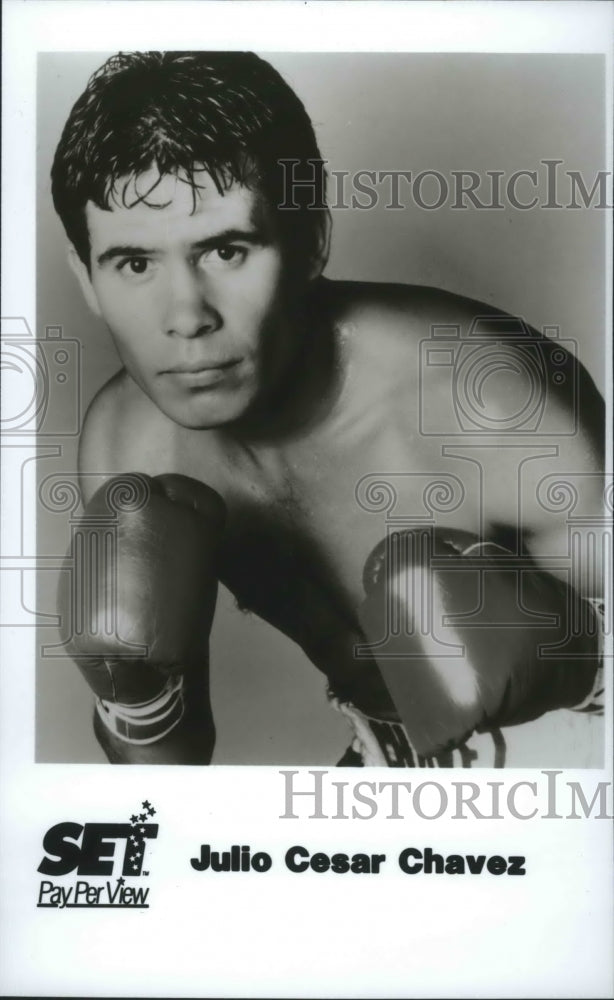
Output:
x=138 y=265
x=224 y=256
x=134 y=266
x=227 y=253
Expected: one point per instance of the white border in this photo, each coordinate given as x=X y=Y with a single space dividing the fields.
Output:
x=37 y=954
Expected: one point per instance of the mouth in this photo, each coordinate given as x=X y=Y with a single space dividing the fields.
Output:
x=196 y=367
x=200 y=375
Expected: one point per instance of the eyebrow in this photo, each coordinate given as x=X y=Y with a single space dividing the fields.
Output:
x=255 y=237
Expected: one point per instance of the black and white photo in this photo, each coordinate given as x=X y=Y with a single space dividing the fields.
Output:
x=316 y=443
x=306 y=563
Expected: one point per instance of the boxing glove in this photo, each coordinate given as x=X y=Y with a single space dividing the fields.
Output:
x=138 y=595
x=469 y=637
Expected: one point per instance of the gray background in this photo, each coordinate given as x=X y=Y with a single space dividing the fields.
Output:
x=374 y=112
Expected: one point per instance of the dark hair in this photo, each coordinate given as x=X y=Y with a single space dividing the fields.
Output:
x=228 y=112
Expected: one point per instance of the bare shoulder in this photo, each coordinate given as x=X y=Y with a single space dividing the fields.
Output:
x=387 y=326
x=380 y=328
x=123 y=431
x=478 y=367
x=398 y=309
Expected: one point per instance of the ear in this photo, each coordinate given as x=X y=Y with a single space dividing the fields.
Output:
x=79 y=269
x=322 y=249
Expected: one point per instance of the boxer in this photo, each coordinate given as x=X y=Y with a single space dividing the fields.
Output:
x=254 y=396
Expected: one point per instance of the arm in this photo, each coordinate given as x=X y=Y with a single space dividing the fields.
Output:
x=158 y=588
x=570 y=543
x=481 y=636
x=543 y=475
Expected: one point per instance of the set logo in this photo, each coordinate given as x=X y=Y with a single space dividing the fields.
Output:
x=107 y=853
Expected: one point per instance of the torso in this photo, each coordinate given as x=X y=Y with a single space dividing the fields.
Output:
x=304 y=514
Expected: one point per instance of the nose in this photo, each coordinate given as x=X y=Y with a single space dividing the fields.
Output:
x=190 y=311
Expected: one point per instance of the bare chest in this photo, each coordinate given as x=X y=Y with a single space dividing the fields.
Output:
x=302 y=520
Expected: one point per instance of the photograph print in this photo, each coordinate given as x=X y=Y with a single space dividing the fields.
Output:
x=320 y=473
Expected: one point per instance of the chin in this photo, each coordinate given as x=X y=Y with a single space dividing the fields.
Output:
x=207 y=414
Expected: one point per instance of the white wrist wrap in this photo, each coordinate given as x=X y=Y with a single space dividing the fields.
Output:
x=147 y=722
x=594 y=703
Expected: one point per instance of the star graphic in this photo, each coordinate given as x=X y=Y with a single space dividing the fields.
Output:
x=146 y=804
x=134 y=819
x=121 y=881
x=132 y=857
x=152 y=811
x=142 y=830
x=143 y=817
x=135 y=867
x=134 y=839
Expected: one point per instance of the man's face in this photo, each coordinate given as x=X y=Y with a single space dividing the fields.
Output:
x=190 y=285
